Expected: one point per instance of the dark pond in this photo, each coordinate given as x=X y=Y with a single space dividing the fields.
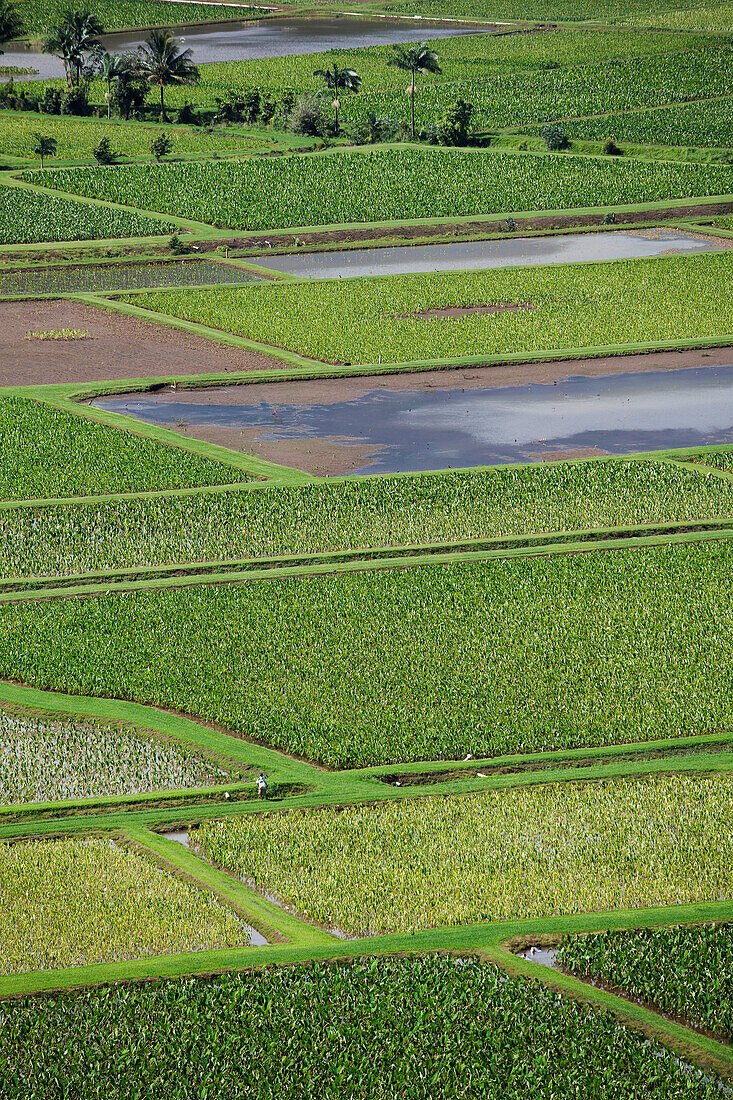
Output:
x=276 y=37
x=72 y=280
x=437 y=429
x=474 y=255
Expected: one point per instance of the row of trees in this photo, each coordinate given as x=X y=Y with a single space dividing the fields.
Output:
x=412 y=59
x=159 y=62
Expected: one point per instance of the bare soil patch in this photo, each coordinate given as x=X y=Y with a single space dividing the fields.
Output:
x=465 y=311
x=117 y=347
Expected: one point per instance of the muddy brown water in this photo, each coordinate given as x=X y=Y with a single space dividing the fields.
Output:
x=403 y=430
x=480 y=255
x=279 y=36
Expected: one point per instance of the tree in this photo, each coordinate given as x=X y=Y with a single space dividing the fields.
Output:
x=44 y=147
x=103 y=152
x=73 y=36
x=11 y=25
x=452 y=128
x=161 y=146
x=163 y=63
x=111 y=65
x=337 y=80
x=413 y=60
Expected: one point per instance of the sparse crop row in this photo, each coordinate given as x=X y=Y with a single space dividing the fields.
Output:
x=684 y=971
x=48 y=452
x=356 y=514
x=419 y=664
x=27 y=216
x=709 y=122
x=417 y=1028
x=39 y=15
x=522 y=852
x=75 y=902
x=42 y=760
x=264 y=193
x=131 y=276
x=563 y=306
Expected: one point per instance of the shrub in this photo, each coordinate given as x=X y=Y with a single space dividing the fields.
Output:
x=161 y=146
x=75 y=102
x=103 y=152
x=554 y=137
x=452 y=128
x=51 y=102
x=611 y=149
x=307 y=117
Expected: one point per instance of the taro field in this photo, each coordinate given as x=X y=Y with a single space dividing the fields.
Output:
x=391 y=758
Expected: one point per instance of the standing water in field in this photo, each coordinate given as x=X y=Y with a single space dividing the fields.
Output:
x=410 y=430
x=277 y=37
x=479 y=255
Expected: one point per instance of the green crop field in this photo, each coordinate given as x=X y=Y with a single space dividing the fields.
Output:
x=703 y=124
x=431 y=663
x=49 y=452
x=43 y=759
x=355 y=514
x=535 y=852
x=722 y=460
x=689 y=12
x=684 y=971
x=563 y=306
x=70 y=902
x=31 y=216
x=417 y=1028
x=264 y=193
x=76 y=137
x=39 y=15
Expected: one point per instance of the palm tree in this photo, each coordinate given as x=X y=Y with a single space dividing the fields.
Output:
x=162 y=63
x=73 y=36
x=44 y=147
x=415 y=59
x=111 y=66
x=11 y=25
x=335 y=80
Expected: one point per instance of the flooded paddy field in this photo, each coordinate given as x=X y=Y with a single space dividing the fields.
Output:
x=76 y=279
x=382 y=428
x=279 y=36
x=477 y=255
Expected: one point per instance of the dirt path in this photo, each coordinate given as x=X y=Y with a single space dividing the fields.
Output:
x=117 y=347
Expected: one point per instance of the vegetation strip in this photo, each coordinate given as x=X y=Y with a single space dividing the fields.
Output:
x=292 y=565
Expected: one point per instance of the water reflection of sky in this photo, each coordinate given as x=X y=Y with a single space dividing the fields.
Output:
x=423 y=430
x=480 y=255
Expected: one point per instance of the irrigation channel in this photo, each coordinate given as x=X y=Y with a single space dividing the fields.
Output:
x=477 y=255
x=405 y=430
x=241 y=41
